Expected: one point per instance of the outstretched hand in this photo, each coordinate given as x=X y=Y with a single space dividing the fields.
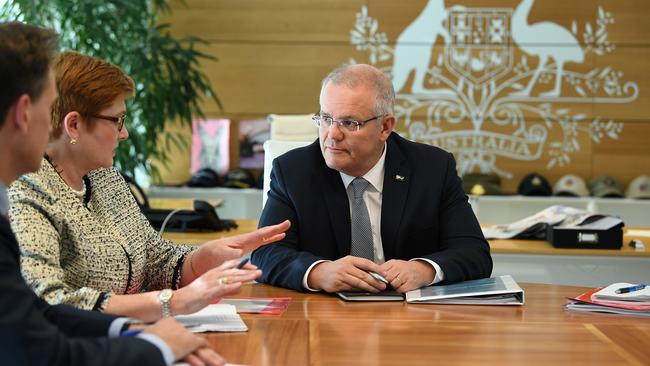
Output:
x=215 y=252
x=211 y=286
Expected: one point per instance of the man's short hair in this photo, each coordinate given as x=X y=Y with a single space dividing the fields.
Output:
x=353 y=76
x=26 y=53
x=86 y=85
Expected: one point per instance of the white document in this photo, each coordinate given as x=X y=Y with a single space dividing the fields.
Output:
x=214 y=318
x=553 y=215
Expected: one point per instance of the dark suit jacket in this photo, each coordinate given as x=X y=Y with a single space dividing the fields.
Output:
x=32 y=332
x=425 y=214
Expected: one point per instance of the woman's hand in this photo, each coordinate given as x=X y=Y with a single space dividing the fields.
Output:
x=211 y=286
x=215 y=252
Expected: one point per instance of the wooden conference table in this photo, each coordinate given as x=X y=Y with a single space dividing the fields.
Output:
x=320 y=329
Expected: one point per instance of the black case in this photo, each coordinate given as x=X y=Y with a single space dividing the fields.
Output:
x=577 y=237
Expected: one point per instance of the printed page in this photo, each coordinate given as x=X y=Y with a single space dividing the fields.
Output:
x=214 y=318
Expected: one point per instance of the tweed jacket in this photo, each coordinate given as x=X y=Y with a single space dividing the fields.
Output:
x=79 y=252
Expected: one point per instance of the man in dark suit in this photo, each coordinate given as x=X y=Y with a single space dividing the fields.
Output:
x=363 y=199
x=31 y=331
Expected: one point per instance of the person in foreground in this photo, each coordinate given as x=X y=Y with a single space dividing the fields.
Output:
x=84 y=241
x=363 y=199
x=32 y=332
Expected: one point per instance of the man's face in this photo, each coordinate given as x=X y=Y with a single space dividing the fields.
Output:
x=39 y=125
x=352 y=152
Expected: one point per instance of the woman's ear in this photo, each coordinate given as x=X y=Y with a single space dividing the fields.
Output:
x=71 y=123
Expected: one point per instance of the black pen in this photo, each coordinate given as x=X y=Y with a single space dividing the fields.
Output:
x=624 y=290
x=243 y=263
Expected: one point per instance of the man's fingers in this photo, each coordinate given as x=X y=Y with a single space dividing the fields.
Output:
x=363 y=280
x=193 y=360
x=210 y=357
x=367 y=265
x=396 y=282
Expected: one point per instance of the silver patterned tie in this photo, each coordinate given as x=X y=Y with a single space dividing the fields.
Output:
x=361 y=245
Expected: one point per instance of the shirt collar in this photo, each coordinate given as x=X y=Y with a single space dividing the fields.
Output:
x=375 y=176
x=4 y=200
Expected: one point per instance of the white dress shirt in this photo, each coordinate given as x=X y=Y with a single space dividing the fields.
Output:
x=372 y=196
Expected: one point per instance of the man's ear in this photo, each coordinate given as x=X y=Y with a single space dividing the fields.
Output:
x=71 y=123
x=387 y=126
x=21 y=113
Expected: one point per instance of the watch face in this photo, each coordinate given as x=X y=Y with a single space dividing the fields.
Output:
x=165 y=294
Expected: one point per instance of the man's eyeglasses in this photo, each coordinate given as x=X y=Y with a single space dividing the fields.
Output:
x=349 y=124
x=119 y=121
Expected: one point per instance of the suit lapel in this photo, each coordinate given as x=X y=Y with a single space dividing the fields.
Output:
x=338 y=207
x=10 y=239
x=397 y=180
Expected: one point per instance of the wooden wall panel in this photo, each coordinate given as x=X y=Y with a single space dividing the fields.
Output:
x=630 y=63
x=273 y=54
x=630 y=21
x=256 y=80
x=261 y=21
x=625 y=159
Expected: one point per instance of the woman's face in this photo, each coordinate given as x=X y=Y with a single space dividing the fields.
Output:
x=102 y=140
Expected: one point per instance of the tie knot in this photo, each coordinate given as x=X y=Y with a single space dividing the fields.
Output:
x=359 y=186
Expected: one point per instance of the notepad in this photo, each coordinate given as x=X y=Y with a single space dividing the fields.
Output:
x=214 y=318
x=502 y=290
x=609 y=293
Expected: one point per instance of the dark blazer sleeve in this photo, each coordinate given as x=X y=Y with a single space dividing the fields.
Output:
x=463 y=253
x=284 y=263
x=35 y=333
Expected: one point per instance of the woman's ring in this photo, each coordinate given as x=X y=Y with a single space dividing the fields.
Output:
x=222 y=280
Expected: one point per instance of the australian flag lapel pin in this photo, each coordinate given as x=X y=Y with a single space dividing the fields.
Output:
x=399 y=178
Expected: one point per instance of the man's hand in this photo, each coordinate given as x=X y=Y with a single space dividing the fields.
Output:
x=345 y=274
x=215 y=252
x=181 y=341
x=405 y=276
x=204 y=357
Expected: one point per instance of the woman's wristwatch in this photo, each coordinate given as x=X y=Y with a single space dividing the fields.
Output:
x=165 y=297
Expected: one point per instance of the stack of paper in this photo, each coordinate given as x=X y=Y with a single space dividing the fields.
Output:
x=214 y=318
x=258 y=305
x=607 y=300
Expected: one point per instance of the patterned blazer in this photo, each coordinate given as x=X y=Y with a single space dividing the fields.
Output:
x=81 y=252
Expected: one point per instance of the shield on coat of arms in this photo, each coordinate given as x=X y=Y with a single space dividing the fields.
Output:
x=480 y=47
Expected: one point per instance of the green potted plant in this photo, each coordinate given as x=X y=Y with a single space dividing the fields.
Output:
x=170 y=84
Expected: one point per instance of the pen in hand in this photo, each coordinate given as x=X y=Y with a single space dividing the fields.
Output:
x=624 y=290
x=243 y=263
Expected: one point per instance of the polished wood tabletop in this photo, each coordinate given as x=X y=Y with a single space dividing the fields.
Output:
x=321 y=329
x=503 y=246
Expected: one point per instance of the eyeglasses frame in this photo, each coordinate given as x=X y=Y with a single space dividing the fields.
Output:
x=117 y=120
x=318 y=117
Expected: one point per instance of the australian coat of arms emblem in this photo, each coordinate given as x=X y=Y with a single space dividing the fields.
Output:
x=464 y=82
